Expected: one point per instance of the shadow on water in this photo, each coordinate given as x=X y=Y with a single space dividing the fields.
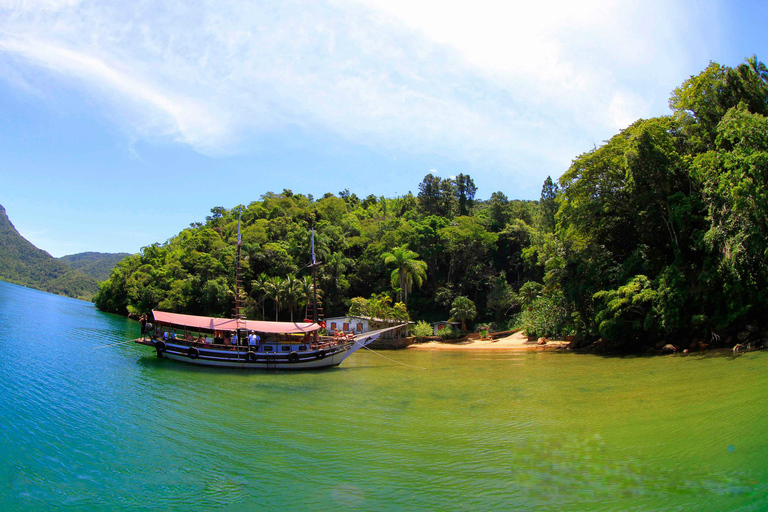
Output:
x=717 y=353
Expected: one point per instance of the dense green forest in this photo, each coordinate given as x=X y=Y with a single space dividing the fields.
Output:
x=658 y=235
x=98 y=265
x=23 y=263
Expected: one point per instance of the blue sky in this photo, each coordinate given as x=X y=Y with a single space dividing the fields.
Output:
x=122 y=122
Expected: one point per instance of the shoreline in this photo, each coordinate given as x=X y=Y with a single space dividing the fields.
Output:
x=516 y=341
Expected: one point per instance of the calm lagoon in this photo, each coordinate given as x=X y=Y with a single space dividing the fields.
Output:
x=106 y=428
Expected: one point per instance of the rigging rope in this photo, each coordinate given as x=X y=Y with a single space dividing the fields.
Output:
x=388 y=358
x=112 y=344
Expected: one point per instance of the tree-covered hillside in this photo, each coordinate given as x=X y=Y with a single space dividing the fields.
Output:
x=659 y=235
x=98 y=265
x=23 y=263
x=477 y=254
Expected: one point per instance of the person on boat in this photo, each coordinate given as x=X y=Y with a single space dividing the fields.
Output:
x=165 y=335
x=189 y=337
x=201 y=339
x=143 y=322
x=234 y=339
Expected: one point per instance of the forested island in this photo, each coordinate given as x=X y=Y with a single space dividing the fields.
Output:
x=660 y=235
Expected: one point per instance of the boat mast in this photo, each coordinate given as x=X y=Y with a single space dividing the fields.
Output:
x=314 y=266
x=238 y=313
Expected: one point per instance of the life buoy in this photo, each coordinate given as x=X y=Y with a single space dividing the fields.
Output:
x=250 y=357
x=321 y=324
x=193 y=353
x=321 y=354
x=293 y=357
x=160 y=346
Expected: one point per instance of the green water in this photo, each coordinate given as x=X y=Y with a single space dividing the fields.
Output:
x=115 y=427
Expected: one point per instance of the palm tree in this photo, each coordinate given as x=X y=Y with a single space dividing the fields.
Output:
x=308 y=292
x=291 y=291
x=757 y=67
x=463 y=309
x=273 y=288
x=379 y=305
x=259 y=285
x=408 y=270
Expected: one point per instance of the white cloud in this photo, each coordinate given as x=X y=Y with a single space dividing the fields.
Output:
x=507 y=86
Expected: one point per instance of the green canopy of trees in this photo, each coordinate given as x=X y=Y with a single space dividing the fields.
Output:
x=661 y=233
x=422 y=257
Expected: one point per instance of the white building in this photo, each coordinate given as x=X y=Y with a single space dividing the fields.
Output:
x=361 y=324
x=347 y=324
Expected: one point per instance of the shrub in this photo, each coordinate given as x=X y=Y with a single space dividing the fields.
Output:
x=484 y=329
x=422 y=329
x=546 y=316
x=449 y=333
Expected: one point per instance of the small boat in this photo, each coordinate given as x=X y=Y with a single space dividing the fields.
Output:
x=249 y=344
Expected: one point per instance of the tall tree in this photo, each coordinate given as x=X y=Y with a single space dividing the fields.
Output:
x=308 y=293
x=463 y=309
x=408 y=270
x=499 y=214
x=291 y=292
x=465 y=192
x=757 y=67
x=259 y=286
x=274 y=291
x=430 y=195
x=548 y=205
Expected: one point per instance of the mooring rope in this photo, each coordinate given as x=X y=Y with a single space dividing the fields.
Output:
x=388 y=358
x=112 y=344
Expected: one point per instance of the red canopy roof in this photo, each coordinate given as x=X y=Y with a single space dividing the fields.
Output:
x=230 y=324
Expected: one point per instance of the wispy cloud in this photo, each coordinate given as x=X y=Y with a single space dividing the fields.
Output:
x=512 y=88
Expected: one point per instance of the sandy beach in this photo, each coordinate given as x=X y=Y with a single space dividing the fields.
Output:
x=517 y=341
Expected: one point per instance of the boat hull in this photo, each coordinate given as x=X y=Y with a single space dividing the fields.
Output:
x=242 y=359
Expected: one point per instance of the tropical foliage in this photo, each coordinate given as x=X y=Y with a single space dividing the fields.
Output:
x=463 y=309
x=465 y=247
x=658 y=234
x=422 y=329
x=408 y=270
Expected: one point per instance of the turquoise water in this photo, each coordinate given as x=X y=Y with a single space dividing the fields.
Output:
x=87 y=428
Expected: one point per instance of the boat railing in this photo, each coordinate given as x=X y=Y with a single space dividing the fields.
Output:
x=324 y=343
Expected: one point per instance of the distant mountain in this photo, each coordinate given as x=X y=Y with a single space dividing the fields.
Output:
x=23 y=263
x=98 y=265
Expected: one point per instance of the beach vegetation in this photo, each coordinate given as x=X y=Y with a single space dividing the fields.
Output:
x=422 y=329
